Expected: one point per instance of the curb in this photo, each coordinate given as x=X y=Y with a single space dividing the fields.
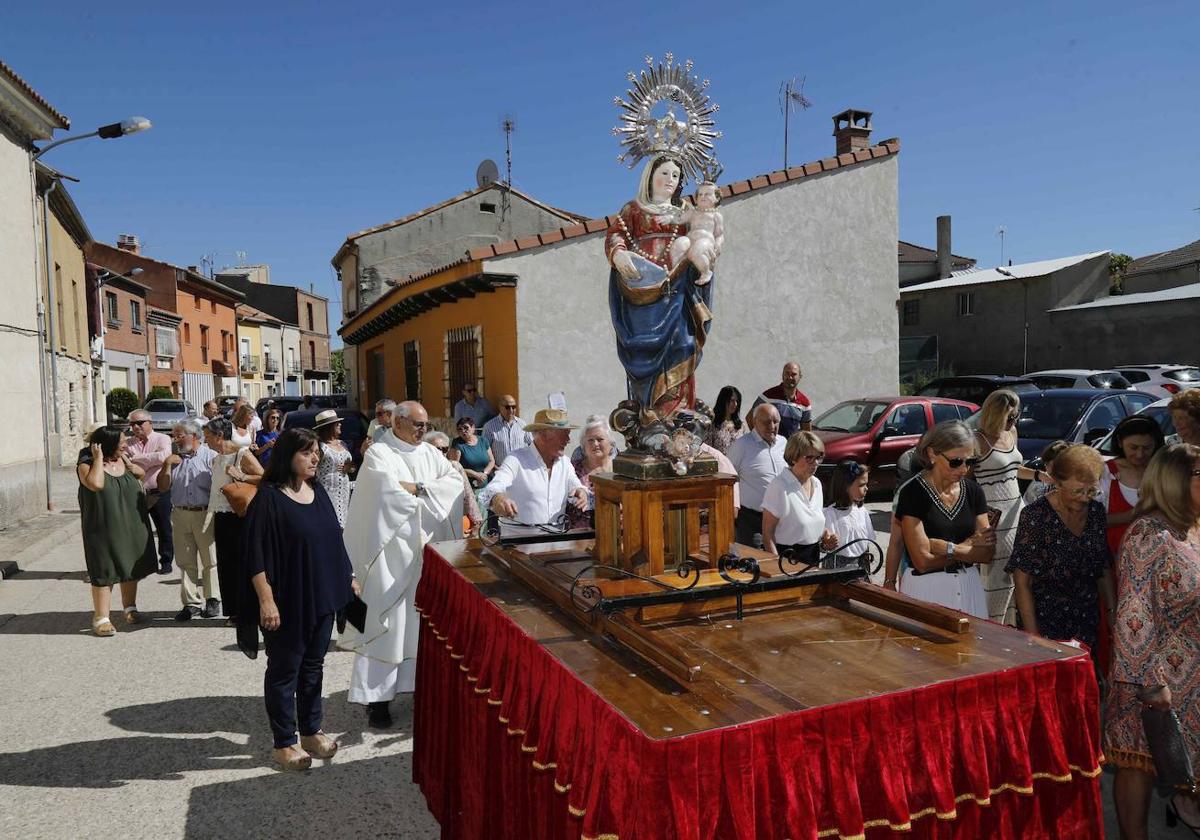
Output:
x=29 y=554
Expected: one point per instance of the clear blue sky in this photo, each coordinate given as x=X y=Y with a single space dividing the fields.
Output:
x=280 y=128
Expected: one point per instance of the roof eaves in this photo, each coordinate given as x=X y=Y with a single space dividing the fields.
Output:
x=28 y=90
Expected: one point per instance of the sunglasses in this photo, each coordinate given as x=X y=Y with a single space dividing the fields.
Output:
x=955 y=463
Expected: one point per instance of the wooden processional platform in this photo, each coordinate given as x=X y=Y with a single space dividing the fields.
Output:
x=674 y=662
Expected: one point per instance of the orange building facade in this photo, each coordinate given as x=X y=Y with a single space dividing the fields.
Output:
x=425 y=339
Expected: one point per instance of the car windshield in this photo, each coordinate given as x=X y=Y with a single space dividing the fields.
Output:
x=1050 y=416
x=1108 y=379
x=167 y=406
x=1157 y=413
x=1184 y=375
x=853 y=416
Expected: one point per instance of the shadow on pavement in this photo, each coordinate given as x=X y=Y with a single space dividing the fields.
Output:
x=368 y=798
x=23 y=575
x=80 y=622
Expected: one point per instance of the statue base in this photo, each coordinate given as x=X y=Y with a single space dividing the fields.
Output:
x=646 y=466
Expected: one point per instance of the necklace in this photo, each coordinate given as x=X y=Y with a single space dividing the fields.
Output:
x=633 y=245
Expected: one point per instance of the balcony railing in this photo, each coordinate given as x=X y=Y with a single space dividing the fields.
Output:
x=270 y=364
x=294 y=367
x=249 y=363
x=319 y=364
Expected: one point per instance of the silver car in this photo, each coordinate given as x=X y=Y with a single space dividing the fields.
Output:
x=164 y=413
x=1162 y=380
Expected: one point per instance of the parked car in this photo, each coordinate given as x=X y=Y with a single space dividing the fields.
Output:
x=165 y=413
x=286 y=404
x=1049 y=379
x=1162 y=380
x=1076 y=415
x=225 y=405
x=1156 y=411
x=876 y=430
x=974 y=389
x=354 y=426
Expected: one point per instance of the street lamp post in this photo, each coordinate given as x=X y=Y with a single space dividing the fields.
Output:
x=48 y=332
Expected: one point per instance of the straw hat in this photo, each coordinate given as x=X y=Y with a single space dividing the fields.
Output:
x=550 y=419
x=326 y=417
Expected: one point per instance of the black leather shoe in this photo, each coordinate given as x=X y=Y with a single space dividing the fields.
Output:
x=164 y=568
x=187 y=613
x=212 y=608
x=379 y=715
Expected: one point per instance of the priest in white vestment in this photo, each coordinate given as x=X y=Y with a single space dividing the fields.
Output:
x=406 y=494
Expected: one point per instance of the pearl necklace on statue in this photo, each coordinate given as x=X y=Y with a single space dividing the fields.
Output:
x=633 y=245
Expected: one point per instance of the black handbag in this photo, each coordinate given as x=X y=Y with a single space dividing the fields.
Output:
x=1164 y=734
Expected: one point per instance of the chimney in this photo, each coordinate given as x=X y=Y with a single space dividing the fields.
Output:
x=195 y=269
x=128 y=242
x=943 y=247
x=852 y=129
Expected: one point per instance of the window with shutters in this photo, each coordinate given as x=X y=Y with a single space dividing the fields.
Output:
x=412 y=371
x=462 y=363
x=965 y=302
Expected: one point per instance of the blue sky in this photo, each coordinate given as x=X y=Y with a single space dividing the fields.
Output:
x=280 y=128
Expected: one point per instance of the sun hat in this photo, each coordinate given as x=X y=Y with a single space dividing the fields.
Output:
x=550 y=419
x=326 y=417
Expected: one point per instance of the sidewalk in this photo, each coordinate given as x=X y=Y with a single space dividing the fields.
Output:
x=160 y=732
x=28 y=538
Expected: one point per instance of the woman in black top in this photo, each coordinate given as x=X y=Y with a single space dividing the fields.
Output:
x=944 y=523
x=296 y=575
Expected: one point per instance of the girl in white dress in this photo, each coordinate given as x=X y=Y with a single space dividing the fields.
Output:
x=336 y=464
x=846 y=518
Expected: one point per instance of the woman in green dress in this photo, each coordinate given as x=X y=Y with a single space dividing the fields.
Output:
x=117 y=545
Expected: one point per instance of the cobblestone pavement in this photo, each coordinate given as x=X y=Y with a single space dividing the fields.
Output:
x=159 y=732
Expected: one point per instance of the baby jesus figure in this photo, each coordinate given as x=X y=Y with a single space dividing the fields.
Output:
x=705 y=233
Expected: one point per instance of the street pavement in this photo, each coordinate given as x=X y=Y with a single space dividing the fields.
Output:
x=160 y=732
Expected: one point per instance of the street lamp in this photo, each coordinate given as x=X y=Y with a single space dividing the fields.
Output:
x=105 y=132
x=132 y=125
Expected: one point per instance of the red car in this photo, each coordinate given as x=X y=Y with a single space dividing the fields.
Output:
x=876 y=430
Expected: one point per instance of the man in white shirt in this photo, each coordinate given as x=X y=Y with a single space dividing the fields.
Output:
x=382 y=422
x=758 y=458
x=406 y=494
x=473 y=405
x=534 y=484
x=506 y=430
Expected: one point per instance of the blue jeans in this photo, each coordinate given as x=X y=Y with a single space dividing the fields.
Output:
x=160 y=514
x=292 y=684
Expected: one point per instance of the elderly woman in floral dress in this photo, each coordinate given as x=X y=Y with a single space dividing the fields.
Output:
x=1156 y=650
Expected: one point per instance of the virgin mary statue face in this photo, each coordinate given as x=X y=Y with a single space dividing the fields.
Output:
x=664 y=181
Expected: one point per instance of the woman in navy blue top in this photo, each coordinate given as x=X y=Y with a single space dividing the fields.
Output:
x=296 y=576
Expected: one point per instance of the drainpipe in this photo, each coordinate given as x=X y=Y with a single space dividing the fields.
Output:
x=51 y=332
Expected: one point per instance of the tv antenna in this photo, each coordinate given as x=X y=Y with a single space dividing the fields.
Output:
x=241 y=257
x=508 y=124
x=1001 y=232
x=791 y=97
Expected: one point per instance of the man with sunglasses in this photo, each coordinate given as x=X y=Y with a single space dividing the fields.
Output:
x=149 y=449
x=506 y=430
x=473 y=405
x=406 y=494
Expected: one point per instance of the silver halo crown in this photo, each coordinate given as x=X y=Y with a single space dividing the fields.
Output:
x=687 y=137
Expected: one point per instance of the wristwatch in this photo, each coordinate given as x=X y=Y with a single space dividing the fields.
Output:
x=420 y=489
x=949 y=552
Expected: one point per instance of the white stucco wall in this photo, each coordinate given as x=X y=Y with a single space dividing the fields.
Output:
x=22 y=453
x=808 y=273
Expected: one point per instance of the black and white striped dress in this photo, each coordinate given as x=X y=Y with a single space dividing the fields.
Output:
x=996 y=473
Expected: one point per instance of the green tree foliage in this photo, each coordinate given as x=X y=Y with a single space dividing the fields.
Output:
x=337 y=365
x=159 y=392
x=1118 y=264
x=120 y=402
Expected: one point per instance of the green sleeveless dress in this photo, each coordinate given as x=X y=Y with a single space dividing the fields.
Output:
x=117 y=544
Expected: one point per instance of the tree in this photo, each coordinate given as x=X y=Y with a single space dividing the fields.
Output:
x=159 y=392
x=120 y=402
x=1118 y=264
x=337 y=376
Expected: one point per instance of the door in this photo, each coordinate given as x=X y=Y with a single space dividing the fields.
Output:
x=899 y=432
x=1100 y=419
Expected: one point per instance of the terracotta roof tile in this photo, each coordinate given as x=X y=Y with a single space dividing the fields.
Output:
x=845 y=158
x=551 y=236
x=528 y=242
x=759 y=182
x=507 y=247
x=739 y=187
x=573 y=231
x=33 y=94
x=829 y=163
x=777 y=177
x=862 y=154
x=595 y=225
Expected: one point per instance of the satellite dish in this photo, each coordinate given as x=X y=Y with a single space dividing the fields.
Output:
x=487 y=173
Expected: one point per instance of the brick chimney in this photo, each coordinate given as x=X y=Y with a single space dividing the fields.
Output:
x=128 y=242
x=852 y=129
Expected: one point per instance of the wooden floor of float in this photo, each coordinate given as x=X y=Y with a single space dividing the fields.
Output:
x=816 y=649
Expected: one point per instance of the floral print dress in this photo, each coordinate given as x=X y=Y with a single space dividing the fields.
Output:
x=1156 y=638
x=331 y=474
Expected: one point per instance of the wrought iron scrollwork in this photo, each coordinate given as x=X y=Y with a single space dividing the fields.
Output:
x=735 y=563
x=794 y=562
x=587 y=596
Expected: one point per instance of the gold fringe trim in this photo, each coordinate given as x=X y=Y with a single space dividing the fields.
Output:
x=560 y=788
x=483 y=691
x=455 y=655
x=598 y=837
x=502 y=719
x=575 y=812
x=526 y=749
x=492 y=702
x=1131 y=760
x=537 y=765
